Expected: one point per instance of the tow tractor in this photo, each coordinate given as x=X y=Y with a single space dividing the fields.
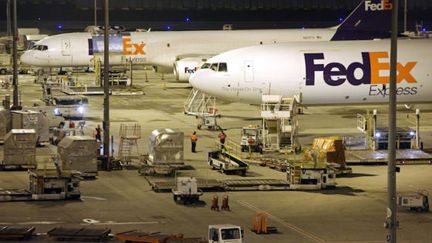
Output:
x=418 y=201
x=251 y=138
x=225 y=233
x=70 y=107
x=186 y=190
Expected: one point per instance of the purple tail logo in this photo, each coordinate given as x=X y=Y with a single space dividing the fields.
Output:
x=371 y=67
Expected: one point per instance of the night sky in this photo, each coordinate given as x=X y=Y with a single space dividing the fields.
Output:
x=63 y=15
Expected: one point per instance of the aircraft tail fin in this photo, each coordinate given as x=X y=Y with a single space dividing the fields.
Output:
x=371 y=19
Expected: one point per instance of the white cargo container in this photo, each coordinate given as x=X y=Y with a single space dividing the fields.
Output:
x=79 y=153
x=20 y=149
x=166 y=147
x=27 y=119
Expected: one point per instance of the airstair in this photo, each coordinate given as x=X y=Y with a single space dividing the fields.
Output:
x=128 y=146
x=280 y=123
x=203 y=107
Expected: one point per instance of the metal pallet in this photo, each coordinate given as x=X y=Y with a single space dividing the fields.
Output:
x=16 y=233
x=84 y=234
x=227 y=184
x=255 y=184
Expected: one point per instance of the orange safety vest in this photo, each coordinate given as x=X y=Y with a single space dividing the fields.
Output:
x=194 y=138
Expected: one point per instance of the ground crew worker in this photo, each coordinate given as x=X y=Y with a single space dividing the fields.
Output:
x=98 y=133
x=251 y=141
x=71 y=124
x=222 y=136
x=194 y=139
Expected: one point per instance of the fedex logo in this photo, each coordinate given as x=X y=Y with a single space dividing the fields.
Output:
x=383 y=5
x=190 y=70
x=335 y=73
x=130 y=48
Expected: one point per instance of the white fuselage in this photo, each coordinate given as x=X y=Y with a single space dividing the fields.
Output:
x=162 y=49
x=184 y=51
x=348 y=72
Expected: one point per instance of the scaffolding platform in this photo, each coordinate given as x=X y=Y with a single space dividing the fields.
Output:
x=129 y=135
x=280 y=123
x=379 y=157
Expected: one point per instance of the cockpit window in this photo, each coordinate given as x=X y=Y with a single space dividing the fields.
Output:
x=214 y=67
x=223 y=67
x=205 y=66
x=40 y=47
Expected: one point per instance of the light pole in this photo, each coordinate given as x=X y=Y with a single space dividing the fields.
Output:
x=106 y=111
x=15 y=101
x=95 y=12
x=405 y=15
x=8 y=18
x=392 y=223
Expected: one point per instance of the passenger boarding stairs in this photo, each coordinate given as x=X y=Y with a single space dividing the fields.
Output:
x=280 y=124
x=203 y=107
x=200 y=104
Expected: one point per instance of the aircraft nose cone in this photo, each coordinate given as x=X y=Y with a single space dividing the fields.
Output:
x=193 y=79
x=26 y=58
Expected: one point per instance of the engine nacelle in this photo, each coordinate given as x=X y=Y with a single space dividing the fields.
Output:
x=183 y=68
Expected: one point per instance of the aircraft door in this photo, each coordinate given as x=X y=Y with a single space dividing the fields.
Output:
x=248 y=71
x=66 y=47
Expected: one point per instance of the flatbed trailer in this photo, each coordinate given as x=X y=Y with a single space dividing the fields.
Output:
x=156 y=237
x=80 y=234
x=13 y=195
x=13 y=167
x=16 y=233
x=379 y=157
x=226 y=185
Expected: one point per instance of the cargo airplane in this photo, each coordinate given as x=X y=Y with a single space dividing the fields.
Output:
x=321 y=73
x=184 y=51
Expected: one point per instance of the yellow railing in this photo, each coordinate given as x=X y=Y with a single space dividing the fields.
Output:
x=230 y=148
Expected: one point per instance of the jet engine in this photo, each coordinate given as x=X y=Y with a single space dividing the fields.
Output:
x=183 y=68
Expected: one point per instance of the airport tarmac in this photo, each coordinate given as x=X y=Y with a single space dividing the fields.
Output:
x=122 y=200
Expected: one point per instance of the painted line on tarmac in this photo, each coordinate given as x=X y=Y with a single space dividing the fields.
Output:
x=32 y=222
x=97 y=222
x=94 y=198
x=300 y=231
x=376 y=241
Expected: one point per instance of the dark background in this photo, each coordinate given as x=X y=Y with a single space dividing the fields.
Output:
x=74 y=15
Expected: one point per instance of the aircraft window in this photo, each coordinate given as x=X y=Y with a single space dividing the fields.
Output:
x=40 y=47
x=223 y=67
x=214 y=66
x=205 y=66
